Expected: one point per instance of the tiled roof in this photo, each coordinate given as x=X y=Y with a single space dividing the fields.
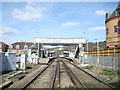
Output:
x=22 y=44
x=3 y=46
x=2 y=43
x=115 y=13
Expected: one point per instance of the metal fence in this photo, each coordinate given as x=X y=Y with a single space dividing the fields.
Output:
x=105 y=61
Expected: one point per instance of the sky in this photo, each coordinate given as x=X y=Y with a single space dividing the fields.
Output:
x=23 y=21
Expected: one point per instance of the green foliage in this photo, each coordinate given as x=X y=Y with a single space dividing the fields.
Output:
x=17 y=68
x=31 y=67
x=72 y=86
x=89 y=67
x=106 y=81
x=110 y=73
x=2 y=80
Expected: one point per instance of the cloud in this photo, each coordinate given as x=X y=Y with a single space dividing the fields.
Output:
x=88 y=22
x=70 y=24
x=30 y=3
x=29 y=13
x=97 y=28
x=8 y=31
x=100 y=12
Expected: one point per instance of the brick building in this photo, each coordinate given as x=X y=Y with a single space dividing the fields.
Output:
x=19 y=46
x=113 y=28
x=3 y=47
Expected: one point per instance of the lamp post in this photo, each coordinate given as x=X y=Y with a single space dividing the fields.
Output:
x=85 y=36
x=87 y=45
x=87 y=49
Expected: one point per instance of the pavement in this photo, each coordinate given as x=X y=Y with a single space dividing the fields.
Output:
x=43 y=60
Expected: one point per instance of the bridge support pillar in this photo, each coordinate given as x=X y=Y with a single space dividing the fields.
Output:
x=40 y=50
x=81 y=53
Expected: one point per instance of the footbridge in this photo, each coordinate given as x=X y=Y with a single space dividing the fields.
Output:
x=59 y=41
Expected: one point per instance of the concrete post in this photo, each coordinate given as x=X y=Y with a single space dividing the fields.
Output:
x=23 y=61
x=80 y=46
x=83 y=55
x=98 y=54
x=38 y=50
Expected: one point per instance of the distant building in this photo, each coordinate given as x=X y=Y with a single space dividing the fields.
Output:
x=3 y=47
x=7 y=61
x=20 y=46
x=113 y=28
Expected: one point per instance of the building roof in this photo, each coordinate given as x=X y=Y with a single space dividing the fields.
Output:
x=2 y=43
x=115 y=13
x=3 y=46
x=22 y=44
x=33 y=47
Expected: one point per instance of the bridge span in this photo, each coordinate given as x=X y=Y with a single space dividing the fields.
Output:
x=60 y=41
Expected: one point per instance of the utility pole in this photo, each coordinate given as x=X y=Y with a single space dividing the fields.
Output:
x=97 y=52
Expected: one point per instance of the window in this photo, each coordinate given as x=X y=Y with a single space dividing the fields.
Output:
x=116 y=45
x=11 y=46
x=118 y=31
x=107 y=31
x=0 y=45
x=25 y=47
x=119 y=27
x=17 y=47
x=115 y=28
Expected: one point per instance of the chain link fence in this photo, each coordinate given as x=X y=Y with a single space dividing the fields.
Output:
x=105 y=61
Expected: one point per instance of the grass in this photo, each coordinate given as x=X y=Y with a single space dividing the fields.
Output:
x=17 y=68
x=89 y=84
x=1 y=80
x=7 y=73
x=110 y=73
x=89 y=67
x=31 y=67
x=72 y=86
x=106 y=81
x=112 y=82
x=115 y=84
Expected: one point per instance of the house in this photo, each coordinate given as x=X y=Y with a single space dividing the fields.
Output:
x=20 y=47
x=3 y=47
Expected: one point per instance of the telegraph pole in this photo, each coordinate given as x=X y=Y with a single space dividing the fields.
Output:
x=97 y=52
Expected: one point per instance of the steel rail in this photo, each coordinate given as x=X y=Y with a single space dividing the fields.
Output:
x=71 y=72
x=30 y=81
x=93 y=76
x=54 y=76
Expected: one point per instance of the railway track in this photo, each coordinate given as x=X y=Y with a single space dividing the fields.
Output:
x=76 y=81
x=56 y=77
x=37 y=81
x=60 y=72
x=85 y=79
